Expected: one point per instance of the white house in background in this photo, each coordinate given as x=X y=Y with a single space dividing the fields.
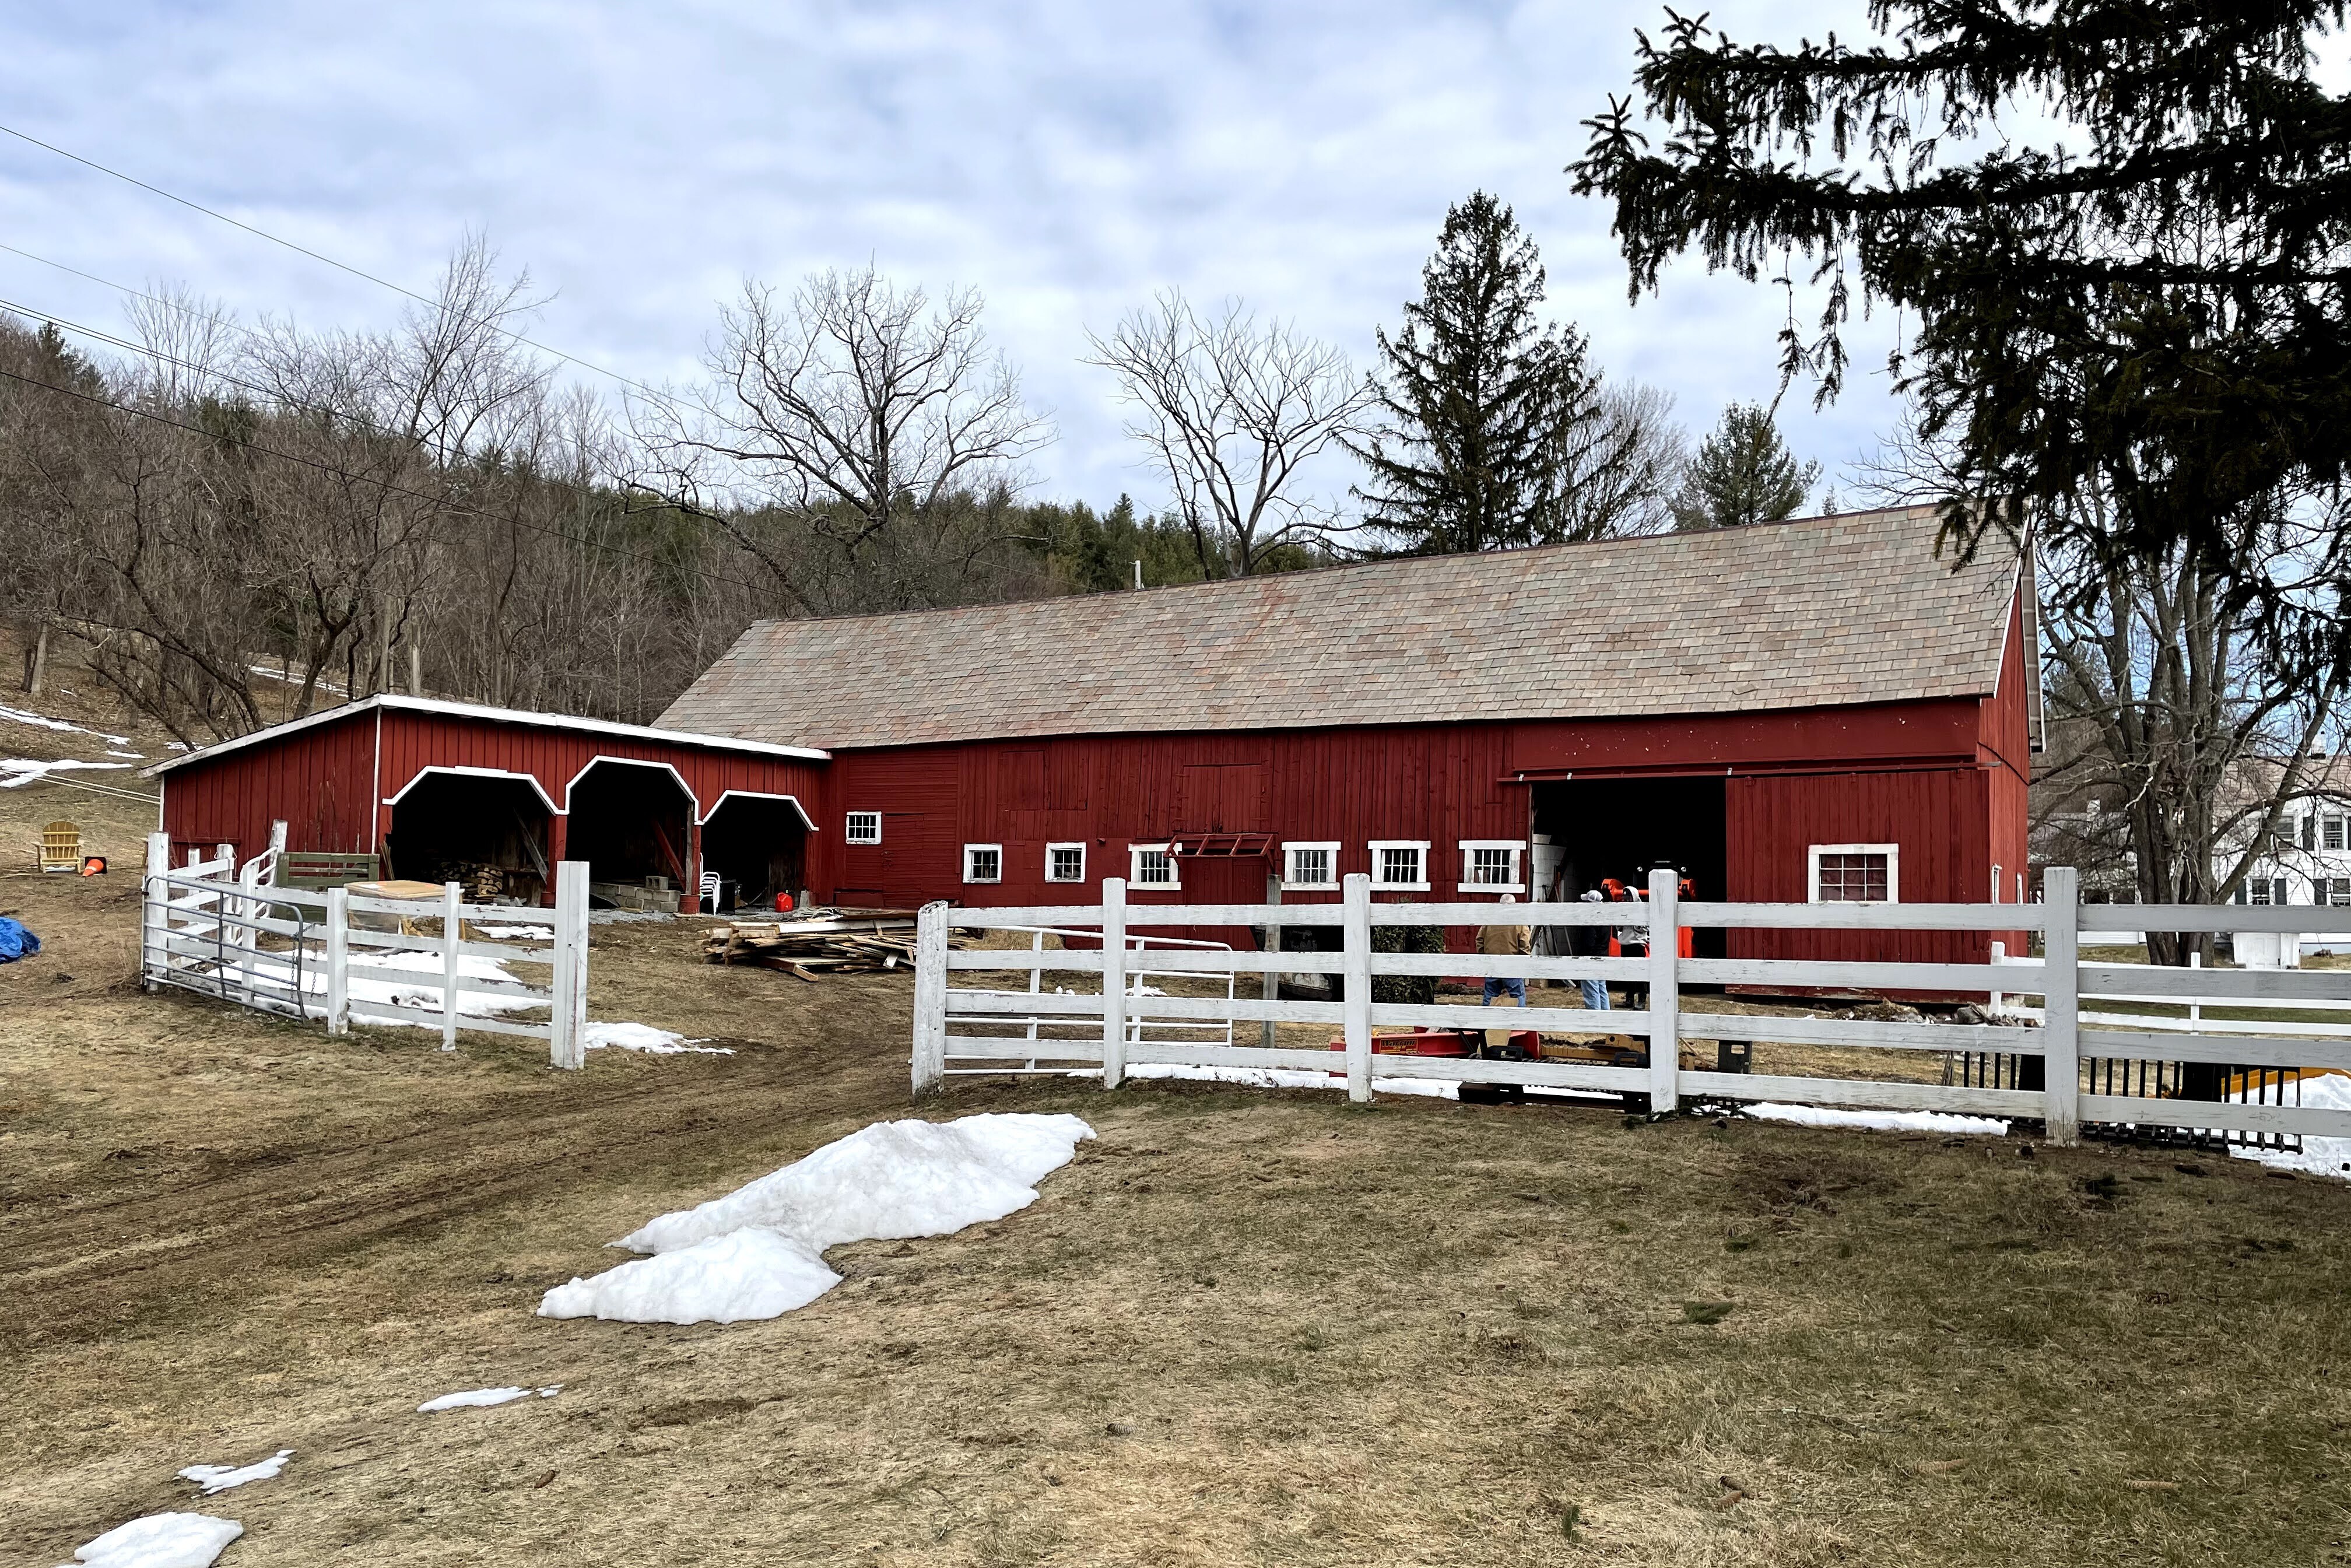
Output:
x=2307 y=861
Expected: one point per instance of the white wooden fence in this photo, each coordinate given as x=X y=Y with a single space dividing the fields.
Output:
x=1096 y=1025
x=225 y=931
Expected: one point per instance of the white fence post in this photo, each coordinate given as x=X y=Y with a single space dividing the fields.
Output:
x=1355 y=897
x=248 y=908
x=2195 y=1004
x=1665 y=993
x=2062 y=1003
x=1998 y=956
x=568 y=1017
x=1113 y=938
x=931 y=998
x=451 y=896
x=339 y=960
x=154 y=918
x=1272 y=986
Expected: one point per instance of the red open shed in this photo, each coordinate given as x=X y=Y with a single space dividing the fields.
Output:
x=425 y=784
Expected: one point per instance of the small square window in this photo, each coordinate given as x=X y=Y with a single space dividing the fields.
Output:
x=1065 y=863
x=1309 y=865
x=1154 y=865
x=865 y=828
x=983 y=862
x=1490 y=865
x=1856 y=873
x=2338 y=891
x=1400 y=864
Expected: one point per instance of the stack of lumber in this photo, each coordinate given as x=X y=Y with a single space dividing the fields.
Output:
x=828 y=940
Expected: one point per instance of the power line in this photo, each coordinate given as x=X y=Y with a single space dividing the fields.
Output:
x=314 y=256
x=384 y=484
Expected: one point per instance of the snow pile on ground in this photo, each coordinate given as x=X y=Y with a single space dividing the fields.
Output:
x=1285 y=1078
x=41 y=721
x=16 y=772
x=477 y=1398
x=2319 y=1156
x=222 y=1477
x=161 y=1540
x=645 y=1038
x=1880 y=1121
x=542 y=932
x=759 y=1252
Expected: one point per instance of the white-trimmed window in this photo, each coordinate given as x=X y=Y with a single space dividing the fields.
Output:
x=1065 y=863
x=983 y=862
x=1401 y=865
x=1491 y=865
x=2333 y=838
x=865 y=828
x=1856 y=874
x=2338 y=891
x=1309 y=867
x=1152 y=865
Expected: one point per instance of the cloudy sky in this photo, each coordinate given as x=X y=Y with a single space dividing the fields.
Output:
x=1065 y=159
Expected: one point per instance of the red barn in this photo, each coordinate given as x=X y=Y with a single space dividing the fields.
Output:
x=1818 y=708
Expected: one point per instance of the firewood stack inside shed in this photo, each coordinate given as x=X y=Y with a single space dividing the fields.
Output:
x=826 y=941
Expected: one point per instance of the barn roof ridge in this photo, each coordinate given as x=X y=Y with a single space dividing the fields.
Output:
x=1820 y=611
x=396 y=702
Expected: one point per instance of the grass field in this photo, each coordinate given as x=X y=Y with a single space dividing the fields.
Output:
x=1243 y=1327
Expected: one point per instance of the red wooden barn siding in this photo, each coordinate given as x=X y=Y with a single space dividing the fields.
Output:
x=1442 y=783
x=319 y=782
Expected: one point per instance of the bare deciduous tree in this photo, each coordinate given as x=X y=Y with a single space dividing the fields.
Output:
x=853 y=413
x=1229 y=411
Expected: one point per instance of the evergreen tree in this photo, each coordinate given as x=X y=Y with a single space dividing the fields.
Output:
x=2117 y=230
x=1743 y=473
x=1479 y=399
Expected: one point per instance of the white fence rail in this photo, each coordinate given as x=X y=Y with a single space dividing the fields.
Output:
x=212 y=927
x=973 y=1026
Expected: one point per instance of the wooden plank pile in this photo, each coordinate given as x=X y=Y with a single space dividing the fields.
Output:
x=827 y=941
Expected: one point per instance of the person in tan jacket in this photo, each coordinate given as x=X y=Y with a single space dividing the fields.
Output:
x=1501 y=941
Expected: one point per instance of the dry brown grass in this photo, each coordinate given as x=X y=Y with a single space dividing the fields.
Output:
x=1243 y=1327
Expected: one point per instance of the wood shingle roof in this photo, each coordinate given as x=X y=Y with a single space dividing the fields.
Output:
x=1813 y=613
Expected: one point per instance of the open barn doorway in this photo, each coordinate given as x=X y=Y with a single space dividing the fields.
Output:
x=632 y=823
x=757 y=845
x=487 y=831
x=1600 y=829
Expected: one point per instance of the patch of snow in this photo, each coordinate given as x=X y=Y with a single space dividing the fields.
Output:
x=542 y=932
x=759 y=1252
x=643 y=1037
x=625 y=916
x=1880 y=1121
x=222 y=1477
x=39 y=721
x=1285 y=1078
x=134 y=756
x=477 y=1399
x=161 y=1540
x=2318 y=1156
x=17 y=772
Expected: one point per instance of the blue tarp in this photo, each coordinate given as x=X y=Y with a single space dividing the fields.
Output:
x=15 y=942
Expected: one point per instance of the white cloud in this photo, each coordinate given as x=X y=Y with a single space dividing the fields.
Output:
x=1066 y=159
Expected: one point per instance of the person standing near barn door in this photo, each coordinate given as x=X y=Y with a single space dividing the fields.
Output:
x=1504 y=941
x=1591 y=941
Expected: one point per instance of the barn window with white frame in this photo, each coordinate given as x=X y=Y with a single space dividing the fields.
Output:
x=1065 y=863
x=1309 y=865
x=983 y=862
x=1154 y=866
x=865 y=828
x=1489 y=865
x=1400 y=864
x=1856 y=873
